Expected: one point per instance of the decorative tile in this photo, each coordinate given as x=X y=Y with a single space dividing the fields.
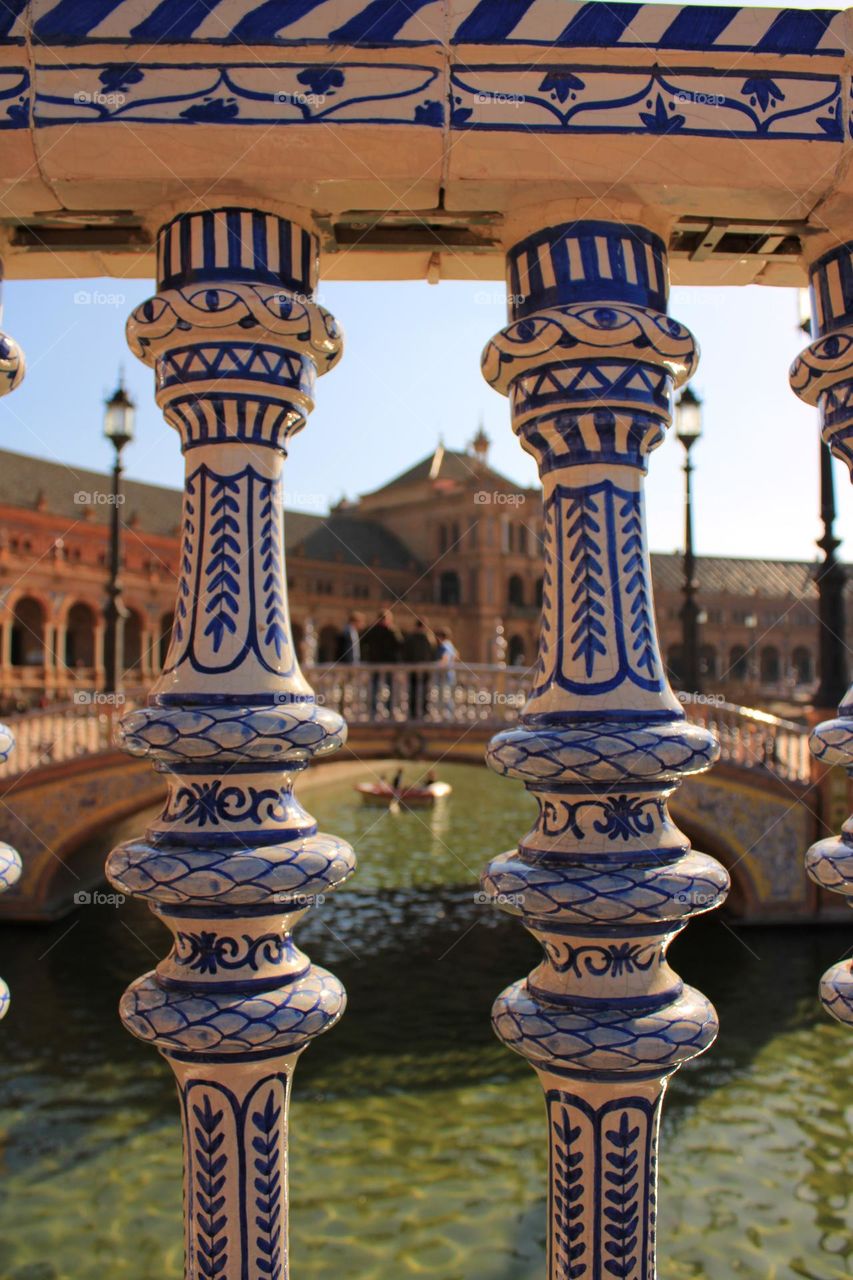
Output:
x=242 y=93
x=589 y=99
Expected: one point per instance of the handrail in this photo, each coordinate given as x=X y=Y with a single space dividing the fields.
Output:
x=61 y=732
x=423 y=694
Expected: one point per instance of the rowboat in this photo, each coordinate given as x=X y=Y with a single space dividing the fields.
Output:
x=382 y=793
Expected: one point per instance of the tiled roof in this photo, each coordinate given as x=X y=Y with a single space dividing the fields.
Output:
x=737 y=575
x=345 y=539
x=447 y=464
x=25 y=482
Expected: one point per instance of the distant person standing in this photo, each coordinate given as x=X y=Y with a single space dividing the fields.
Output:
x=418 y=649
x=447 y=655
x=349 y=640
x=381 y=645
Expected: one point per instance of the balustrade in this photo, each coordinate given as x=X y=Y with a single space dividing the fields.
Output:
x=233 y=862
x=823 y=376
x=604 y=880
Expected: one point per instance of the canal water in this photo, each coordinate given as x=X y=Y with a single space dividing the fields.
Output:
x=418 y=1142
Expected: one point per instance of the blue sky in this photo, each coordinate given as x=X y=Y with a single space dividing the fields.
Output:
x=410 y=372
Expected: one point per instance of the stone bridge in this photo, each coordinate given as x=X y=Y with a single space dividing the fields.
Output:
x=756 y=811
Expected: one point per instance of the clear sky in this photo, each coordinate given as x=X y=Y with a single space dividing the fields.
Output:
x=410 y=373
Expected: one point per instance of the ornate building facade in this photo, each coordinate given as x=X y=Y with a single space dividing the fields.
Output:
x=450 y=540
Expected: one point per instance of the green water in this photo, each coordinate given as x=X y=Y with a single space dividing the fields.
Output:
x=418 y=1142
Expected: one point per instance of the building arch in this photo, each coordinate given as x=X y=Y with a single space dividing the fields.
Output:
x=80 y=622
x=449 y=588
x=515 y=591
x=769 y=665
x=165 y=637
x=738 y=662
x=29 y=618
x=708 y=667
x=134 y=639
x=327 y=643
x=515 y=651
x=802 y=662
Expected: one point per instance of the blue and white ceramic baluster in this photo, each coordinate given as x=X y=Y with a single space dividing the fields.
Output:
x=12 y=369
x=823 y=377
x=236 y=340
x=604 y=880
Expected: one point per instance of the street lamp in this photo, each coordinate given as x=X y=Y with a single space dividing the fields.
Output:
x=830 y=576
x=688 y=428
x=118 y=428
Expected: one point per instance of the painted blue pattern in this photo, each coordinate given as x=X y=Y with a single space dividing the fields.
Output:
x=209 y=952
x=235 y=511
x=822 y=376
x=603 y=591
x=233 y=861
x=222 y=583
x=244 y=93
x=211 y=1239
x=380 y=22
x=266 y=1145
x=601 y=1206
x=603 y=879
x=648 y=100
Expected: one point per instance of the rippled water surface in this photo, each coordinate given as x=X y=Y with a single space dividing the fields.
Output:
x=418 y=1145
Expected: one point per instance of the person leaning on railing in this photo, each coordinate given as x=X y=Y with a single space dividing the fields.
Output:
x=381 y=645
x=447 y=655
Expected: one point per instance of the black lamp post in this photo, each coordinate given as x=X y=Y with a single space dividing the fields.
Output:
x=688 y=428
x=118 y=429
x=830 y=575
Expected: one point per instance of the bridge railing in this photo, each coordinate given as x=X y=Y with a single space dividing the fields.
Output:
x=371 y=693
x=754 y=739
x=61 y=732
x=421 y=694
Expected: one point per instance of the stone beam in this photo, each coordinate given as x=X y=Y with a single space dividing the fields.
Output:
x=413 y=131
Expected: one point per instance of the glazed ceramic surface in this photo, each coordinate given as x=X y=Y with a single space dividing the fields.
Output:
x=233 y=861
x=603 y=879
x=823 y=377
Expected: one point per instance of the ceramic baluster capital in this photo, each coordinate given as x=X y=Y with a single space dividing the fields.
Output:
x=823 y=376
x=232 y=863
x=604 y=879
